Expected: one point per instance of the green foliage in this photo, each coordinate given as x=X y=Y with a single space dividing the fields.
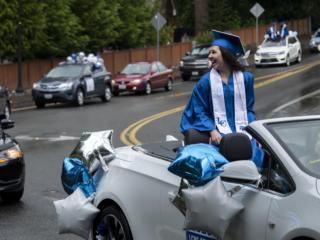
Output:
x=204 y=37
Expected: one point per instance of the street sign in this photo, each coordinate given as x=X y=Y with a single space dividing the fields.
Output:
x=158 y=21
x=257 y=10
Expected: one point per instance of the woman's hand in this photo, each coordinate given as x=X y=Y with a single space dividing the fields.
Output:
x=215 y=136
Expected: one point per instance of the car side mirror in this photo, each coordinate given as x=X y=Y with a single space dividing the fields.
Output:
x=6 y=124
x=243 y=171
x=188 y=53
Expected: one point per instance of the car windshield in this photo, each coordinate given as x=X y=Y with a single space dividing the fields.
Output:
x=136 y=68
x=271 y=43
x=302 y=141
x=67 y=71
x=200 y=51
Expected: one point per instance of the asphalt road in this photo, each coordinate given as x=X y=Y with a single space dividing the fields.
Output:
x=48 y=135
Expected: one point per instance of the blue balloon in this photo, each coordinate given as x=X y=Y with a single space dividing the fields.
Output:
x=198 y=163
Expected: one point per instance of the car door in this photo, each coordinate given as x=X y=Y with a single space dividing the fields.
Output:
x=293 y=48
x=99 y=75
x=89 y=83
x=163 y=71
x=155 y=78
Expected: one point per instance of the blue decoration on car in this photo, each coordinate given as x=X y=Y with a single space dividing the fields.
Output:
x=198 y=163
x=75 y=174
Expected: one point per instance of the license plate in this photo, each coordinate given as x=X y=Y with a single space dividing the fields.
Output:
x=122 y=86
x=48 y=96
x=192 y=235
x=195 y=73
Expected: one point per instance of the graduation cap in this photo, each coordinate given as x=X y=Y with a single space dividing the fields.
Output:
x=229 y=41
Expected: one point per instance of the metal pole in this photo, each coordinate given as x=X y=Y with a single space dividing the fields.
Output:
x=158 y=39
x=19 y=88
x=257 y=31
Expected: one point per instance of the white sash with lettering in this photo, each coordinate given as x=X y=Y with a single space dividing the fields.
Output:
x=219 y=107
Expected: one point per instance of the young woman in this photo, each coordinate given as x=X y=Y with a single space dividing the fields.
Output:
x=222 y=101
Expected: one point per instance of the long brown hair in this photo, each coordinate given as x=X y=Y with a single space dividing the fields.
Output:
x=231 y=60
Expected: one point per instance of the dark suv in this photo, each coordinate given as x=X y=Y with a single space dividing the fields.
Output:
x=195 y=64
x=73 y=82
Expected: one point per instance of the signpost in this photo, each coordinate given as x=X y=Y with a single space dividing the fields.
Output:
x=257 y=10
x=158 y=21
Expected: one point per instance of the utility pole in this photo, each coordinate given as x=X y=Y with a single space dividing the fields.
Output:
x=19 y=88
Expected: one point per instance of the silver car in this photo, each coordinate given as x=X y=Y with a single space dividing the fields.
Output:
x=314 y=44
x=133 y=195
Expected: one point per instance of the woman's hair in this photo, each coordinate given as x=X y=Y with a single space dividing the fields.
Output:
x=231 y=60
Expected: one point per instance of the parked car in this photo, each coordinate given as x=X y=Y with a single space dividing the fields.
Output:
x=12 y=166
x=133 y=194
x=281 y=51
x=5 y=103
x=143 y=77
x=196 y=63
x=314 y=44
x=73 y=82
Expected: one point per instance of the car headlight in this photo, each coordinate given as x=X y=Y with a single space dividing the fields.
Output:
x=36 y=85
x=65 y=86
x=11 y=153
x=136 y=81
x=258 y=54
x=181 y=63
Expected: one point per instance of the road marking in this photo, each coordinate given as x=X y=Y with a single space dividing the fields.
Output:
x=50 y=139
x=273 y=76
x=295 y=101
x=128 y=135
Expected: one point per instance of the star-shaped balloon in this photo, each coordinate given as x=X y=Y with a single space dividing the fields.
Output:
x=210 y=208
x=75 y=214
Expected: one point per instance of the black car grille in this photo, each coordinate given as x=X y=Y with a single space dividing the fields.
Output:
x=11 y=170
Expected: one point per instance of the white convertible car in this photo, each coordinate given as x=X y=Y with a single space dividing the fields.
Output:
x=133 y=195
x=282 y=51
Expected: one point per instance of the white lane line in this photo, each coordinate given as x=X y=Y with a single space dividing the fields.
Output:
x=50 y=139
x=295 y=101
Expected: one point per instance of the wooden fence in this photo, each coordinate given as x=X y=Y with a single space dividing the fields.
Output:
x=170 y=55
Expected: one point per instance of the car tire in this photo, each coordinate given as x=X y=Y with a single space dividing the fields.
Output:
x=185 y=77
x=148 y=89
x=288 y=61
x=168 y=86
x=40 y=104
x=299 y=58
x=79 y=97
x=110 y=224
x=12 y=196
x=107 y=94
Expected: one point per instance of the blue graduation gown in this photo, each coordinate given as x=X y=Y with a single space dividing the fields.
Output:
x=199 y=114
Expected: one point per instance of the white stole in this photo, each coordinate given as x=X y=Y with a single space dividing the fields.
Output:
x=219 y=107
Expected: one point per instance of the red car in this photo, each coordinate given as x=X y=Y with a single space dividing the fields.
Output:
x=143 y=77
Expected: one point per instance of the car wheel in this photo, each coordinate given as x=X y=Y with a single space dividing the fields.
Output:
x=299 y=58
x=185 y=78
x=107 y=94
x=79 y=100
x=111 y=224
x=40 y=104
x=148 y=89
x=168 y=87
x=11 y=196
x=288 y=60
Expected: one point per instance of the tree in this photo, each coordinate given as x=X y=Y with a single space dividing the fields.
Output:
x=63 y=30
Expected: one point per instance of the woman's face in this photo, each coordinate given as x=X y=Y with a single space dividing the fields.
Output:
x=215 y=57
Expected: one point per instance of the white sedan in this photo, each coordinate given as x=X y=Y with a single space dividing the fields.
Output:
x=282 y=51
x=133 y=195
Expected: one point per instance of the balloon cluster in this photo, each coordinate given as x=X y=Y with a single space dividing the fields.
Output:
x=82 y=58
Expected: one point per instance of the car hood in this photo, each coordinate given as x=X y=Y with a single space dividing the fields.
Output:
x=123 y=77
x=193 y=58
x=315 y=39
x=272 y=49
x=55 y=80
